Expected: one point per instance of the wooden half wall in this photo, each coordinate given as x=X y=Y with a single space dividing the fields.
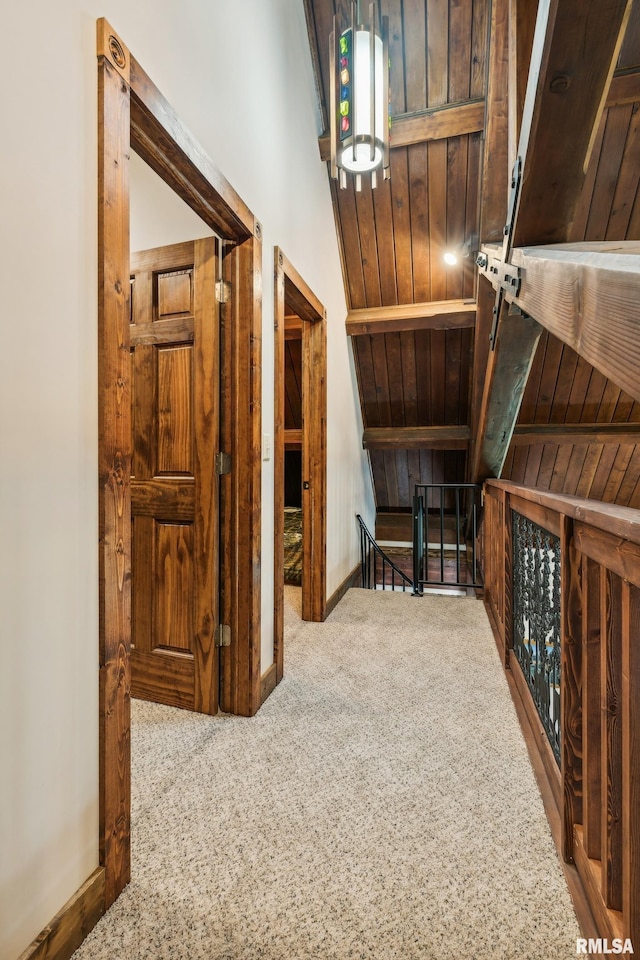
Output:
x=596 y=788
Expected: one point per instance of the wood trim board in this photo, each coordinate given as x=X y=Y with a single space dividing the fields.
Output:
x=64 y=934
x=268 y=682
x=279 y=433
x=114 y=458
x=620 y=522
x=352 y=579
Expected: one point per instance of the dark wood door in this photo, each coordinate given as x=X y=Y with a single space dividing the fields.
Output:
x=175 y=509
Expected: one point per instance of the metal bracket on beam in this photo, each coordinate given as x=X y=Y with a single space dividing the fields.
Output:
x=514 y=196
x=502 y=275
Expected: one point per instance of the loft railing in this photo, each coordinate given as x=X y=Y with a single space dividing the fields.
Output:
x=562 y=586
x=445 y=527
x=536 y=619
x=378 y=571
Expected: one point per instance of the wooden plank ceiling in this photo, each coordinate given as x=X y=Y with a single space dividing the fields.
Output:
x=418 y=374
x=563 y=389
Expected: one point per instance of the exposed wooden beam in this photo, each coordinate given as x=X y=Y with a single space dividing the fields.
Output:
x=293 y=330
x=588 y=295
x=569 y=433
x=293 y=439
x=625 y=88
x=575 y=48
x=495 y=171
x=437 y=123
x=507 y=373
x=435 y=315
x=416 y=438
x=573 y=55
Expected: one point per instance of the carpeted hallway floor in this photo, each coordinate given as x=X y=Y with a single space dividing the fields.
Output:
x=381 y=805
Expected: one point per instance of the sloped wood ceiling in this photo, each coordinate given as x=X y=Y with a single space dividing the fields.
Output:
x=563 y=388
x=393 y=238
x=392 y=241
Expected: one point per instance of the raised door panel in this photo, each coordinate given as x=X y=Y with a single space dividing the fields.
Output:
x=175 y=390
x=174 y=412
x=173 y=588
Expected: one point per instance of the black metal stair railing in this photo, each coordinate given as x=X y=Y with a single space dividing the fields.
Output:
x=536 y=619
x=445 y=520
x=378 y=571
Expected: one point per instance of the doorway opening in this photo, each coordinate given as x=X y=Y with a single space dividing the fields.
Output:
x=293 y=553
x=300 y=446
x=175 y=537
x=133 y=114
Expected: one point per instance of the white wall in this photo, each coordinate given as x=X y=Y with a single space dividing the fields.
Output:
x=157 y=215
x=239 y=75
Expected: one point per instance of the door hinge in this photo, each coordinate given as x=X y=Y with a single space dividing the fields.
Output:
x=223 y=464
x=223 y=635
x=223 y=291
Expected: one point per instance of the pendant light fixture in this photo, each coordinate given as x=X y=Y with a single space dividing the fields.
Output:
x=360 y=121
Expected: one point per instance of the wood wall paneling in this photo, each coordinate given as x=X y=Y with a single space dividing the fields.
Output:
x=571 y=70
x=600 y=619
x=392 y=238
x=397 y=233
x=630 y=51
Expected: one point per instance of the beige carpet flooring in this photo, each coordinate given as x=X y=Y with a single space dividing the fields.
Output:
x=381 y=805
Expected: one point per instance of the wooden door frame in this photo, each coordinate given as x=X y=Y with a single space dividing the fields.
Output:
x=290 y=286
x=132 y=113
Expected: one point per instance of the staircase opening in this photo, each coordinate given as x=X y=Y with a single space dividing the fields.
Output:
x=434 y=549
